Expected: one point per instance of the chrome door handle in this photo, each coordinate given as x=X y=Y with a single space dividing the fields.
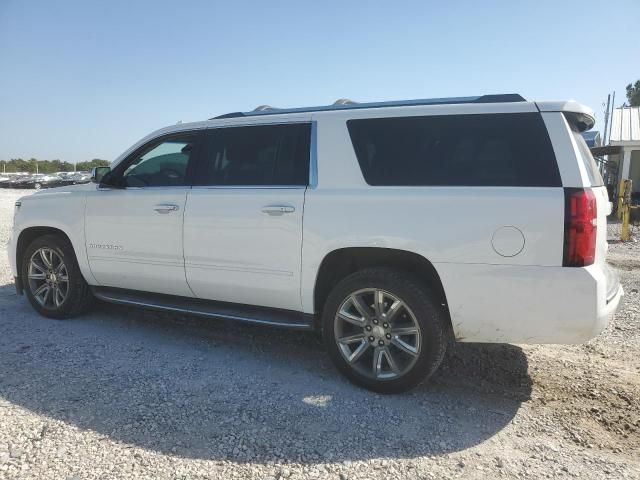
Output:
x=166 y=208
x=278 y=209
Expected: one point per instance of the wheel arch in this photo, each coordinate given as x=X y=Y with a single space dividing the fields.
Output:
x=341 y=262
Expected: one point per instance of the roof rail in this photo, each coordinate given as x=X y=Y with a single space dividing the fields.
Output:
x=228 y=115
x=346 y=104
x=344 y=101
x=263 y=108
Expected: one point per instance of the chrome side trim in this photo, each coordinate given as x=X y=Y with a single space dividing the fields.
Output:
x=120 y=301
x=158 y=187
x=138 y=260
x=161 y=187
x=234 y=268
x=313 y=156
x=253 y=122
x=248 y=187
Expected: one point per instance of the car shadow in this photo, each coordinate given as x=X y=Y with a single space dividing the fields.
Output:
x=209 y=389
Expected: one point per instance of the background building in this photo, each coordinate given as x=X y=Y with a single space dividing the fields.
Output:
x=625 y=134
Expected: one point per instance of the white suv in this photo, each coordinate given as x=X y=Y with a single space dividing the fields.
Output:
x=394 y=228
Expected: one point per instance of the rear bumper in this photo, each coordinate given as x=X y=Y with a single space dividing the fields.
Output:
x=529 y=304
x=606 y=313
x=609 y=294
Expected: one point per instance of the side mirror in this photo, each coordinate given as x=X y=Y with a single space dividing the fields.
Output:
x=98 y=172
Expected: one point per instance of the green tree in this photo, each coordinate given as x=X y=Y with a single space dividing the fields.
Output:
x=96 y=162
x=47 y=166
x=633 y=94
x=66 y=167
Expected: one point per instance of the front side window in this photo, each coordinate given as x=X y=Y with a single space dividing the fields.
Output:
x=260 y=155
x=456 y=150
x=162 y=165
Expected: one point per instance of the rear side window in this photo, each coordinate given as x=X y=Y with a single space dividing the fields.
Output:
x=510 y=149
x=259 y=155
x=593 y=172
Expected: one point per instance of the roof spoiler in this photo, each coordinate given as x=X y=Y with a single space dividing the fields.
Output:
x=579 y=115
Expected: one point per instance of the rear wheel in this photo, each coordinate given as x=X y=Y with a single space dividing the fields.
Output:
x=383 y=330
x=52 y=279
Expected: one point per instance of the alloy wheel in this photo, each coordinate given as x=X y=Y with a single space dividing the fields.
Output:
x=377 y=334
x=48 y=278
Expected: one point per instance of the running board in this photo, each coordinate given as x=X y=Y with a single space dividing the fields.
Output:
x=206 y=308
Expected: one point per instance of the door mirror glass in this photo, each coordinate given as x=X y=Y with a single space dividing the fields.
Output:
x=97 y=173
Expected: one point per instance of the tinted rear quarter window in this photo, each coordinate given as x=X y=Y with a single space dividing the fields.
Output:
x=593 y=172
x=456 y=150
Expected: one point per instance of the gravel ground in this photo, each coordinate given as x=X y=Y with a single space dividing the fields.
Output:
x=123 y=393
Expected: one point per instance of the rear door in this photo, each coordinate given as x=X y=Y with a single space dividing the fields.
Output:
x=243 y=217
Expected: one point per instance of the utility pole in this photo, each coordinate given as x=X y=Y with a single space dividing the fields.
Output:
x=606 y=121
x=613 y=106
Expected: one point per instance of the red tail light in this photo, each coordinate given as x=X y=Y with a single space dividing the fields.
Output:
x=580 y=227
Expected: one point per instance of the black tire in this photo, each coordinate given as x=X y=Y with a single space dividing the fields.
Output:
x=430 y=316
x=78 y=296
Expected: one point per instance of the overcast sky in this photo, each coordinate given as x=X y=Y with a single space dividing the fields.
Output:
x=86 y=79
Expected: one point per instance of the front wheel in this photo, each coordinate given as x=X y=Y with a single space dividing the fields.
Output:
x=52 y=279
x=383 y=330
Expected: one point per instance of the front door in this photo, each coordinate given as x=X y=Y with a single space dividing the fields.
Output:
x=133 y=227
x=243 y=218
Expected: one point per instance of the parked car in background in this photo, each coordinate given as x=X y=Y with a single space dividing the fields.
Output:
x=30 y=181
x=65 y=177
x=44 y=181
x=379 y=264
x=73 y=178
x=38 y=181
x=15 y=180
x=80 y=177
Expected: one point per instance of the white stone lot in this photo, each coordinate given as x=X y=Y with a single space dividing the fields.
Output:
x=123 y=393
